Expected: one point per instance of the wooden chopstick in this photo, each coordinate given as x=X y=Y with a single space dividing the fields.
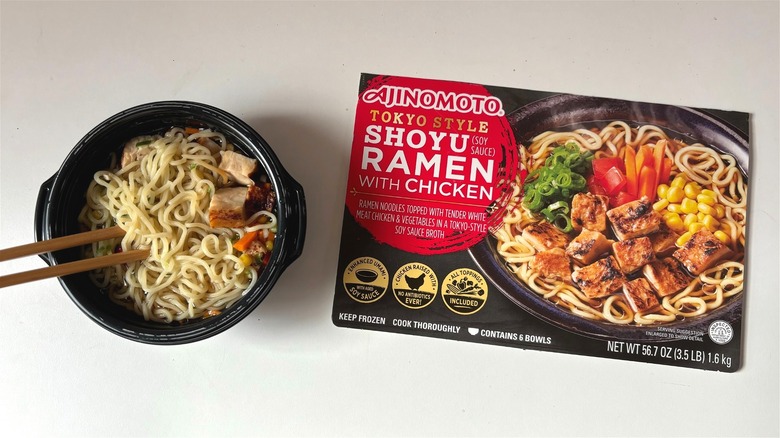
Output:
x=72 y=267
x=61 y=243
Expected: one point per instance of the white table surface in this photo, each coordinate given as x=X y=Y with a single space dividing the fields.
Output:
x=291 y=71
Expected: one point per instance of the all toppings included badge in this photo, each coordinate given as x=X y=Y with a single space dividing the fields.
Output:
x=432 y=164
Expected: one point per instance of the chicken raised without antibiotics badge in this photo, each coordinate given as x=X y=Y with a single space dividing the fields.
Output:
x=415 y=285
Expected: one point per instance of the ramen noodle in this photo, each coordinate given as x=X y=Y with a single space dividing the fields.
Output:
x=162 y=196
x=705 y=168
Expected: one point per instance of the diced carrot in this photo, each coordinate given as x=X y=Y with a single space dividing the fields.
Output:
x=659 y=152
x=190 y=130
x=631 y=177
x=243 y=243
x=647 y=186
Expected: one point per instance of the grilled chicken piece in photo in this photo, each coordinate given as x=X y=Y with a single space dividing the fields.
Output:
x=599 y=279
x=632 y=254
x=238 y=167
x=543 y=236
x=634 y=219
x=663 y=240
x=702 y=251
x=667 y=276
x=588 y=246
x=640 y=296
x=589 y=211
x=552 y=263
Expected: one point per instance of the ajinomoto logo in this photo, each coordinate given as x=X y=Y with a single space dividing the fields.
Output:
x=365 y=279
x=415 y=285
x=466 y=103
x=464 y=291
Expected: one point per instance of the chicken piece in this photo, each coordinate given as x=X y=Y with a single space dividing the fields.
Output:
x=543 y=236
x=599 y=279
x=588 y=246
x=701 y=252
x=640 y=296
x=667 y=276
x=589 y=211
x=238 y=167
x=137 y=148
x=634 y=219
x=258 y=198
x=228 y=208
x=632 y=254
x=663 y=240
x=552 y=263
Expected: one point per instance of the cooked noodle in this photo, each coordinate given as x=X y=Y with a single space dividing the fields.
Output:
x=707 y=291
x=162 y=202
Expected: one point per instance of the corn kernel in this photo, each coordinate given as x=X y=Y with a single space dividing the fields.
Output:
x=690 y=219
x=662 y=189
x=700 y=216
x=245 y=259
x=682 y=240
x=720 y=211
x=696 y=226
x=709 y=200
x=674 y=208
x=692 y=189
x=725 y=227
x=723 y=237
x=679 y=181
x=711 y=223
x=706 y=209
x=710 y=193
x=660 y=205
x=675 y=194
x=675 y=223
x=669 y=214
x=689 y=206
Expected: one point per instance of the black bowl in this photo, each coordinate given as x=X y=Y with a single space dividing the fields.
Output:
x=572 y=111
x=62 y=197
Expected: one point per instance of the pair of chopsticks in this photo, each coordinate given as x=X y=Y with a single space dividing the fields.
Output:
x=72 y=267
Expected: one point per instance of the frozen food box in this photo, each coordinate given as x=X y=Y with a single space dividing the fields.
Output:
x=546 y=221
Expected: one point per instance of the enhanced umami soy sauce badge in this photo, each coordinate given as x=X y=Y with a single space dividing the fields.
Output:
x=431 y=163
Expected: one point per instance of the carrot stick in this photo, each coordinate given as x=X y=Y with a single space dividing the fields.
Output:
x=659 y=152
x=631 y=178
x=243 y=243
x=647 y=185
x=666 y=171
